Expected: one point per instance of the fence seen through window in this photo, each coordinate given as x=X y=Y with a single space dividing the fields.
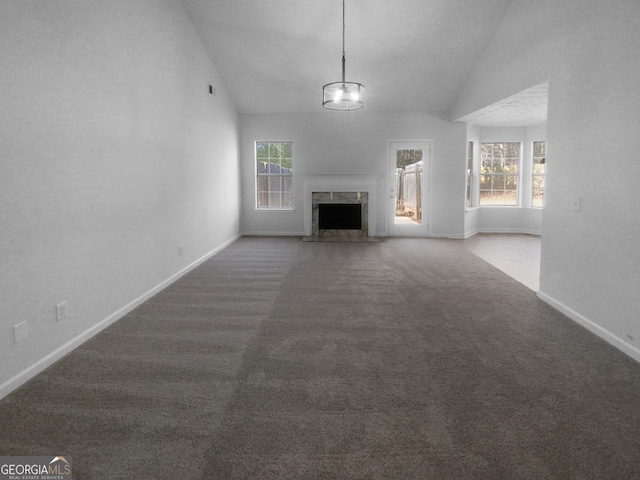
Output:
x=408 y=186
x=274 y=181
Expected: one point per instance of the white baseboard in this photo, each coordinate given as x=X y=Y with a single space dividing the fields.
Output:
x=527 y=231
x=273 y=234
x=48 y=360
x=606 y=335
x=509 y=230
x=456 y=236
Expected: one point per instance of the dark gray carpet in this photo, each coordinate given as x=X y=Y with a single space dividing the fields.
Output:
x=277 y=358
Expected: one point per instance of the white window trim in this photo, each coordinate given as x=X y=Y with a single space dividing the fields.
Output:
x=257 y=175
x=533 y=174
x=518 y=175
x=469 y=186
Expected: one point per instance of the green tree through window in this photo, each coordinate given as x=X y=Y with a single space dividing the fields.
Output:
x=537 y=179
x=499 y=173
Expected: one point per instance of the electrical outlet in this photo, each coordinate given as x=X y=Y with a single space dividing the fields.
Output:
x=180 y=250
x=62 y=311
x=19 y=332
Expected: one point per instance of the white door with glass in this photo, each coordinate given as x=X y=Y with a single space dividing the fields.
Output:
x=408 y=189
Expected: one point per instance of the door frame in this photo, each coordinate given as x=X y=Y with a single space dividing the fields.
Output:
x=398 y=230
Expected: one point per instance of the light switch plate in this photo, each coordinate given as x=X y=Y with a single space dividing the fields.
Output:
x=19 y=332
x=62 y=310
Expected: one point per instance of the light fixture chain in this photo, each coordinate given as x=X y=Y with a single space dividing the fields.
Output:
x=343 y=50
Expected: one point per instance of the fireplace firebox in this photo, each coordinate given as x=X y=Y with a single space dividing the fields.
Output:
x=340 y=216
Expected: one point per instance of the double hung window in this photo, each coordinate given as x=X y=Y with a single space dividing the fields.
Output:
x=499 y=173
x=274 y=175
x=537 y=174
x=469 y=202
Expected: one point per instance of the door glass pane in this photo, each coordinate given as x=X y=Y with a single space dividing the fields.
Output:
x=408 y=186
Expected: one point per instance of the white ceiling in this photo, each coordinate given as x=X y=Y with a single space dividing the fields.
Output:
x=274 y=56
x=525 y=108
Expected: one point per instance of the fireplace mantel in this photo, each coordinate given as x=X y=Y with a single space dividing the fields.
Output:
x=340 y=183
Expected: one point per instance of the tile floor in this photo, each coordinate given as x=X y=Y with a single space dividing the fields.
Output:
x=517 y=255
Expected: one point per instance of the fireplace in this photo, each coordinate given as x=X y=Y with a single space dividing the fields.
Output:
x=349 y=195
x=339 y=214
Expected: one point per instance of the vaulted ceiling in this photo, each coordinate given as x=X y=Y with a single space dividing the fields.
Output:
x=274 y=56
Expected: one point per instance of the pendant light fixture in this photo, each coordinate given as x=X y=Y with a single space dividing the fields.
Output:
x=342 y=95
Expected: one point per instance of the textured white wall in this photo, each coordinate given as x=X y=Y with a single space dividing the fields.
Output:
x=113 y=154
x=352 y=143
x=587 y=50
x=591 y=263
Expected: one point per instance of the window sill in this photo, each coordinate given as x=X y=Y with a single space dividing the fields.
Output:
x=501 y=206
x=507 y=206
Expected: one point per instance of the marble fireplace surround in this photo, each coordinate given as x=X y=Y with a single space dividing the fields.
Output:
x=353 y=198
x=342 y=188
